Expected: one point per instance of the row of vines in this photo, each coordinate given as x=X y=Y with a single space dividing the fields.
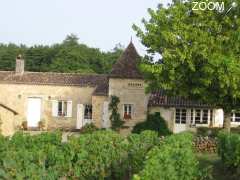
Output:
x=98 y=155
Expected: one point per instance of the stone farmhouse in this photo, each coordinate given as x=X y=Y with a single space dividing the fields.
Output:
x=69 y=101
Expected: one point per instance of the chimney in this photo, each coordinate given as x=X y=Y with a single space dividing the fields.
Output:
x=19 y=65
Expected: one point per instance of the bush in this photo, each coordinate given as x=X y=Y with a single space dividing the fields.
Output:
x=31 y=157
x=206 y=131
x=154 y=122
x=98 y=155
x=139 y=145
x=229 y=150
x=172 y=159
x=88 y=128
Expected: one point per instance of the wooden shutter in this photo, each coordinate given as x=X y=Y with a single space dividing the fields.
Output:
x=69 y=109
x=80 y=116
x=105 y=118
x=55 y=108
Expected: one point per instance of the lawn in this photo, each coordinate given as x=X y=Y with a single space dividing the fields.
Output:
x=218 y=170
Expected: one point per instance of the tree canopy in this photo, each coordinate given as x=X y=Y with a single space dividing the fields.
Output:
x=68 y=56
x=200 y=52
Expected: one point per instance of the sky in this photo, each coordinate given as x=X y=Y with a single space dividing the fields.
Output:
x=97 y=23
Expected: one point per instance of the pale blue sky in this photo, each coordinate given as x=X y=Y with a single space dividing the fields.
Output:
x=97 y=23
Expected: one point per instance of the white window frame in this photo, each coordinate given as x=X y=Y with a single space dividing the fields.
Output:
x=55 y=108
x=129 y=112
x=233 y=117
x=193 y=116
x=181 y=121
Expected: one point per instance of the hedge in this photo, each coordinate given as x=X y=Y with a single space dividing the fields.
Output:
x=171 y=160
x=229 y=150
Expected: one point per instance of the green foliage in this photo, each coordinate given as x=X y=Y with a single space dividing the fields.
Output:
x=88 y=128
x=68 y=56
x=229 y=150
x=115 y=118
x=199 y=50
x=139 y=145
x=154 y=122
x=97 y=155
x=173 y=159
x=210 y=132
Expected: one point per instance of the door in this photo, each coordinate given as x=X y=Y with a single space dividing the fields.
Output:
x=33 y=112
x=180 y=120
x=80 y=116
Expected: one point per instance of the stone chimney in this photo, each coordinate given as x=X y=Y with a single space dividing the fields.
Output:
x=19 y=65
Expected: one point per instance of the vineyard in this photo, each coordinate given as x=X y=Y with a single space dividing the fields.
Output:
x=107 y=155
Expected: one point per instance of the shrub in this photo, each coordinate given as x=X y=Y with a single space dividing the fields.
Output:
x=139 y=145
x=154 y=122
x=115 y=118
x=229 y=150
x=206 y=131
x=88 y=128
x=98 y=155
x=172 y=159
x=28 y=157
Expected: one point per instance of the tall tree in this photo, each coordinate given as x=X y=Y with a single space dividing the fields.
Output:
x=200 y=53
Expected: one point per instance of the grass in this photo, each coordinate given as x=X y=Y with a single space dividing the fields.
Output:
x=218 y=170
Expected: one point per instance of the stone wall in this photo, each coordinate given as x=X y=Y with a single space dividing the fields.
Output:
x=16 y=97
x=130 y=91
x=8 y=120
x=97 y=102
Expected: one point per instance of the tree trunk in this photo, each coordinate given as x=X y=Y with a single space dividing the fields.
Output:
x=227 y=122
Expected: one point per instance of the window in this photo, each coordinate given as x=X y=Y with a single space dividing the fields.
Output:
x=127 y=111
x=62 y=108
x=88 y=112
x=201 y=116
x=181 y=116
x=235 y=117
x=197 y=116
x=205 y=116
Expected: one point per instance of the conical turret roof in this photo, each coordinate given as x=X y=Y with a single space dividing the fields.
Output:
x=127 y=64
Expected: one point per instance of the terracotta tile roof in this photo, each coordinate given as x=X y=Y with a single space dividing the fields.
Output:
x=49 y=78
x=160 y=99
x=126 y=66
x=8 y=108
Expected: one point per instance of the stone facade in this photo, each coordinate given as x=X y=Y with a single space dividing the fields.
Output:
x=16 y=96
x=130 y=91
x=98 y=104
x=8 y=121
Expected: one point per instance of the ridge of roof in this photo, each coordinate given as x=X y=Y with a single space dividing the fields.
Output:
x=52 y=78
x=50 y=72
